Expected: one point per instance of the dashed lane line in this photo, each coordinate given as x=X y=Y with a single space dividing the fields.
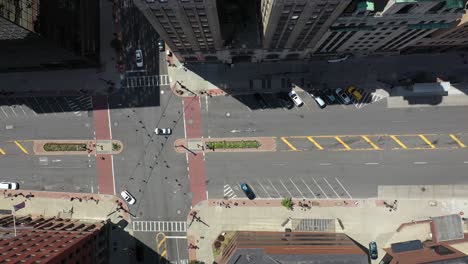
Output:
x=317 y=145
x=21 y=147
x=419 y=162
x=398 y=141
x=289 y=144
x=458 y=141
x=427 y=141
x=343 y=143
x=371 y=143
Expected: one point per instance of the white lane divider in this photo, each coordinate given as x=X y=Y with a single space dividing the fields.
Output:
x=419 y=162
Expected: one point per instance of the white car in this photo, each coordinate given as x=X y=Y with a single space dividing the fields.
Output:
x=295 y=98
x=9 y=185
x=139 y=58
x=163 y=131
x=343 y=96
x=128 y=197
x=320 y=102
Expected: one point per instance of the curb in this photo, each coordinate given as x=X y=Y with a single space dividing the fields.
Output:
x=38 y=147
x=308 y=203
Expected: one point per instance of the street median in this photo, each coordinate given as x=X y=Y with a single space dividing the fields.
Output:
x=210 y=145
x=77 y=147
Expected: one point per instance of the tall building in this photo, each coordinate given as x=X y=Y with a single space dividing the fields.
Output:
x=52 y=240
x=387 y=26
x=291 y=247
x=453 y=39
x=291 y=28
x=48 y=34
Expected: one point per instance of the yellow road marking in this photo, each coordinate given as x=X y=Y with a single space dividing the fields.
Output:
x=21 y=147
x=427 y=141
x=343 y=143
x=398 y=141
x=457 y=140
x=163 y=254
x=317 y=145
x=288 y=143
x=371 y=143
x=161 y=242
x=3 y=152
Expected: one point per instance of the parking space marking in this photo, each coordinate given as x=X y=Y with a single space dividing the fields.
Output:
x=11 y=108
x=458 y=141
x=343 y=143
x=289 y=144
x=398 y=141
x=297 y=188
x=320 y=188
x=307 y=186
x=284 y=186
x=229 y=192
x=427 y=141
x=279 y=195
x=350 y=197
x=21 y=147
x=371 y=143
x=329 y=185
x=4 y=112
x=263 y=188
x=317 y=145
x=3 y=152
x=253 y=189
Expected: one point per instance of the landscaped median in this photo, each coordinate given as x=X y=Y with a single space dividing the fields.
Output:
x=195 y=145
x=76 y=147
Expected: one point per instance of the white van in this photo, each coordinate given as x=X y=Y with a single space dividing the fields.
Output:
x=9 y=185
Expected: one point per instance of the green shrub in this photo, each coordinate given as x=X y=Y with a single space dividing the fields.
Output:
x=116 y=146
x=233 y=144
x=65 y=147
x=288 y=203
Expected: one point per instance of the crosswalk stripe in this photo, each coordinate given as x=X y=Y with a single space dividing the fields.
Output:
x=160 y=226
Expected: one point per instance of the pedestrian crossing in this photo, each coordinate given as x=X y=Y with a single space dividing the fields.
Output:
x=159 y=226
x=147 y=81
x=229 y=192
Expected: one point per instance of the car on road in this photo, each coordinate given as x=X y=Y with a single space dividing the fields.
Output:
x=295 y=98
x=373 y=250
x=320 y=102
x=355 y=93
x=338 y=58
x=343 y=96
x=139 y=58
x=163 y=131
x=161 y=45
x=9 y=185
x=128 y=197
x=247 y=190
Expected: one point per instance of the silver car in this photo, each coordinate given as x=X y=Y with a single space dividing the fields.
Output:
x=295 y=98
x=343 y=96
x=163 y=131
x=128 y=197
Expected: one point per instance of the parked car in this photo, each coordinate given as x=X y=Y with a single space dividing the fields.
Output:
x=329 y=96
x=286 y=100
x=247 y=190
x=320 y=102
x=128 y=197
x=139 y=58
x=295 y=98
x=161 y=45
x=355 y=93
x=339 y=58
x=163 y=131
x=9 y=185
x=373 y=252
x=343 y=96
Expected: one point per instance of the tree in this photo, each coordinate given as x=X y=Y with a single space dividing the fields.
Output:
x=288 y=203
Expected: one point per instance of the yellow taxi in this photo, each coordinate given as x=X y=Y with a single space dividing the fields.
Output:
x=355 y=93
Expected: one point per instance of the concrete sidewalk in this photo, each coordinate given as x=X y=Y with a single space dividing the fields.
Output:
x=363 y=220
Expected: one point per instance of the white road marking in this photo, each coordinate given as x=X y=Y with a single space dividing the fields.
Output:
x=331 y=188
x=308 y=188
x=37 y=102
x=325 y=164
x=343 y=188
x=176 y=237
x=419 y=162
x=53 y=111
x=466 y=162
x=206 y=103
x=4 y=112
x=320 y=188
x=290 y=195
x=279 y=195
x=297 y=188
x=263 y=188
x=371 y=163
x=11 y=108
x=159 y=226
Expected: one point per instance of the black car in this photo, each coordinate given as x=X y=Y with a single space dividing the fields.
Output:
x=246 y=189
x=261 y=101
x=373 y=250
x=285 y=100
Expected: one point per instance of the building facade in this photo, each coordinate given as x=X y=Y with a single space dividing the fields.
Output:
x=388 y=26
x=52 y=240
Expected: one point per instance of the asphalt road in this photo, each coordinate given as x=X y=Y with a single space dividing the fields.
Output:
x=306 y=170
x=149 y=167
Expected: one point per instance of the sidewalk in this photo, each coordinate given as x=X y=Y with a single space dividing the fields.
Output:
x=363 y=220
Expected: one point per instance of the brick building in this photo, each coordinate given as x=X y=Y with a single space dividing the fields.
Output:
x=52 y=240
